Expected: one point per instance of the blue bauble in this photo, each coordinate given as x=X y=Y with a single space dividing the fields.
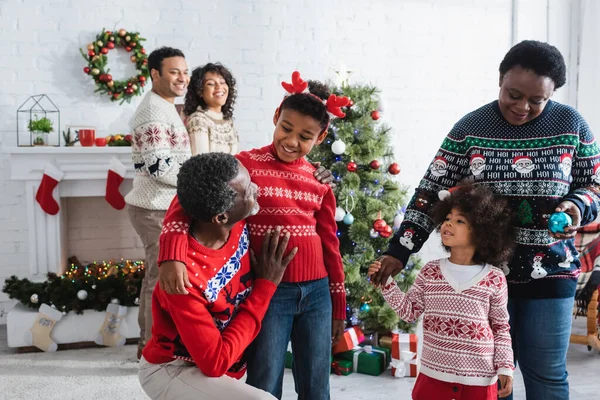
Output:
x=558 y=222
x=348 y=219
x=364 y=307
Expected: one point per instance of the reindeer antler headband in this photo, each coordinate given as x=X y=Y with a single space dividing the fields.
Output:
x=333 y=104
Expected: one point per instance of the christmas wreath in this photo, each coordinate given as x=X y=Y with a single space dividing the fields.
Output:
x=97 y=57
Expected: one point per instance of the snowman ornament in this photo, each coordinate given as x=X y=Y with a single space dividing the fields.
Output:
x=538 y=271
x=406 y=239
x=504 y=268
x=568 y=260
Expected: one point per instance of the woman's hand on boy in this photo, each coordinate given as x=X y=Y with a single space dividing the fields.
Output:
x=390 y=266
x=324 y=175
x=337 y=330
x=506 y=383
x=173 y=277
x=271 y=263
x=575 y=214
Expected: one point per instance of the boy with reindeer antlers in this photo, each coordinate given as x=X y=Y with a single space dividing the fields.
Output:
x=309 y=306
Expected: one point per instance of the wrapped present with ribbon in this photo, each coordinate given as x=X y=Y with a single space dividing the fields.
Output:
x=385 y=342
x=341 y=367
x=352 y=338
x=367 y=360
x=404 y=354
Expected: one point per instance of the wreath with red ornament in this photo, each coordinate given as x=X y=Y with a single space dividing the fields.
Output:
x=97 y=57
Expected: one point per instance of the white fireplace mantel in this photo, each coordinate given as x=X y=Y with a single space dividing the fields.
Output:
x=85 y=172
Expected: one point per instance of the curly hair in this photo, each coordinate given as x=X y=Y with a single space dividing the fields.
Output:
x=193 y=97
x=307 y=104
x=157 y=56
x=203 y=185
x=491 y=219
x=543 y=58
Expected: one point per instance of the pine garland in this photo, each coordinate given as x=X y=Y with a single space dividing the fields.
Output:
x=103 y=283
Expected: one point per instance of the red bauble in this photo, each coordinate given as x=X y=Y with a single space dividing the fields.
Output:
x=379 y=225
x=108 y=78
x=110 y=45
x=116 y=95
x=128 y=48
x=102 y=78
x=142 y=79
x=129 y=83
x=91 y=53
x=375 y=115
x=387 y=232
x=142 y=84
x=104 y=50
x=352 y=166
x=145 y=62
x=143 y=51
x=108 y=33
x=86 y=70
x=129 y=91
x=132 y=44
x=350 y=103
x=375 y=164
x=394 y=169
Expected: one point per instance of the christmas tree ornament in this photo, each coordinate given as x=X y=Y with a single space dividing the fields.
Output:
x=374 y=234
x=90 y=47
x=340 y=213
x=136 y=301
x=364 y=307
x=375 y=115
x=82 y=294
x=348 y=219
x=122 y=32
x=394 y=169
x=338 y=147
x=34 y=298
x=375 y=164
x=86 y=70
x=352 y=166
x=398 y=220
x=379 y=223
x=558 y=221
x=110 y=45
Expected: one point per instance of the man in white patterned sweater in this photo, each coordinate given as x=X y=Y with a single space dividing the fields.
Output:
x=160 y=146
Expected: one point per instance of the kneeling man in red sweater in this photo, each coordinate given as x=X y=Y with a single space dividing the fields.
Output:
x=198 y=341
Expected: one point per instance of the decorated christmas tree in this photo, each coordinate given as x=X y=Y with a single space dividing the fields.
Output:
x=370 y=201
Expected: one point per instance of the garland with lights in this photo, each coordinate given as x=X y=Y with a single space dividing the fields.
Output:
x=82 y=287
x=97 y=57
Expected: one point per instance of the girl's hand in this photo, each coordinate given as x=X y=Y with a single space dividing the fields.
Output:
x=337 y=330
x=373 y=269
x=573 y=211
x=506 y=383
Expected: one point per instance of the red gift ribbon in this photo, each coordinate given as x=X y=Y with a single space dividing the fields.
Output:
x=338 y=369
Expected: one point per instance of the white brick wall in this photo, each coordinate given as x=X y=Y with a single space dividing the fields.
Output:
x=433 y=60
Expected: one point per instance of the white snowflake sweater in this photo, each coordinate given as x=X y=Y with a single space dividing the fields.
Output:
x=466 y=335
x=160 y=145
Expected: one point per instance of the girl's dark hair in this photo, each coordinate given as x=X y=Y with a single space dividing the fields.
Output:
x=543 y=58
x=308 y=104
x=492 y=228
x=193 y=98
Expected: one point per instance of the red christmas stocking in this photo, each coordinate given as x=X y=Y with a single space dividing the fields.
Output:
x=52 y=175
x=116 y=175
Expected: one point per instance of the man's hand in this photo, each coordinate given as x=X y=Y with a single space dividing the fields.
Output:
x=506 y=383
x=573 y=211
x=337 y=330
x=323 y=175
x=271 y=263
x=173 y=277
x=390 y=266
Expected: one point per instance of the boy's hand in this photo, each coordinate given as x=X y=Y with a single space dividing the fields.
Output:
x=506 y=383
x=390 y=266
x=271 y=263
x=173 y=277
x=323 y=175
x=337 y=330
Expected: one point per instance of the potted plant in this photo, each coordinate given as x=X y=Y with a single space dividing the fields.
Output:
x=40 y=128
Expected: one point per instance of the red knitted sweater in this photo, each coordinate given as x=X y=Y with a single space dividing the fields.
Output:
x=289 y=196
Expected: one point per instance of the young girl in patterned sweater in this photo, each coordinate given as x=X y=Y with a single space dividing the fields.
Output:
x=309 y=305
x=208 y=110
x=466 y=335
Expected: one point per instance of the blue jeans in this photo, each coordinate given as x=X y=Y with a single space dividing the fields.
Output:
x=300 y=312
x=540 y=331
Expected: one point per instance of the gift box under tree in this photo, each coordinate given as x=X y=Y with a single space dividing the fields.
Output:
x=367 y=359
x=350 y=340
x=404 y=354
x=341 y=367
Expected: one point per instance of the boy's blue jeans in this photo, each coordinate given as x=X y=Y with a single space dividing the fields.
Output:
x=540 y=331
x=300 y=312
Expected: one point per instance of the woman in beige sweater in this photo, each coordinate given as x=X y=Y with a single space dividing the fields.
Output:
x=208 y=110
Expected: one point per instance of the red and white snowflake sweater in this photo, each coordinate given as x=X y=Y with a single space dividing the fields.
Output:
x=466 y=335
x=291 y=197
x=214 y=324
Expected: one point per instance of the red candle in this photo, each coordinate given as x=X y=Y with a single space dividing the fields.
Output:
x=100 y=142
